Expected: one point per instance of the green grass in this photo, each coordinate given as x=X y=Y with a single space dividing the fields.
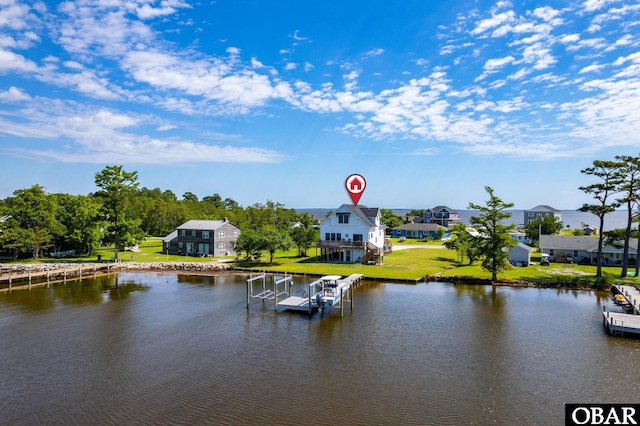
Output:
x=408 y=264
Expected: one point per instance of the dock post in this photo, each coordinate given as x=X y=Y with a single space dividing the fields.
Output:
x=351 y=298
x=29 y=280
x=47 y=278
x=248 y=294
x=65 y=276
x=80 y=272
x=341 y=303
x=10 y=277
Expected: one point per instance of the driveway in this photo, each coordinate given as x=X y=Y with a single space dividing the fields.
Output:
x=401 y=246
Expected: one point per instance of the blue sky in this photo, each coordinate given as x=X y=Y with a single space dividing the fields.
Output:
x=282 y=100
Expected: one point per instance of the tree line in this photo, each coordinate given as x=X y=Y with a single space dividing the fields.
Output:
x=34 y=223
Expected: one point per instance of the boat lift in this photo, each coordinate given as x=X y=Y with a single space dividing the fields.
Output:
x=268 y=294
x=323 y=294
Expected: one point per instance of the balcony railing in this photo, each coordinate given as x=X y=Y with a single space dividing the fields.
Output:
x=340 y=244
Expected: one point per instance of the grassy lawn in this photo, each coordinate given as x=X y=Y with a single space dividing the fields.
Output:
x=407 y=264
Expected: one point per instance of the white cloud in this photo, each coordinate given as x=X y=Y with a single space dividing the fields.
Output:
x=14 y=95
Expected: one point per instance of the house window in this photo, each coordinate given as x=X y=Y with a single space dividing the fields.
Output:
x=551 y=253
x=357 y=237
x=327 y=236
x=180 y=244
x=193 y=233
x=183 y=232
x=333 y=236
x=221 y=234
x=530 y=214
x=221 y=246
x=343 y=217
x=338 y=236
x=235 y=233
x=575 y=253
x=205 y=234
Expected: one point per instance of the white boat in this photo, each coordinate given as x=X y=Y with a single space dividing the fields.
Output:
x=322 y=295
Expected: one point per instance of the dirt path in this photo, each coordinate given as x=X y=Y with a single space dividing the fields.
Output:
x=412 y=246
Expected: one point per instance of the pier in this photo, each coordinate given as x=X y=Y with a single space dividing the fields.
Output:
x=51 y=276
x=325 y=293
x=618 y=323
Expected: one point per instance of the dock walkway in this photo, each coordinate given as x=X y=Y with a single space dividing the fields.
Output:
x=307 y=304
x=51 y=276
x=618 y=323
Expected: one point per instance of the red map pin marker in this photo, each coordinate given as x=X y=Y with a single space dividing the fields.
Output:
x=355 y=187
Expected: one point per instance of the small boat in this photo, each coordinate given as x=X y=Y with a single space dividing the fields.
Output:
x=620 y=299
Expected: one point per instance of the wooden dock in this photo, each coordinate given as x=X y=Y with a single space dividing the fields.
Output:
x=618 y=323
x=26 y=280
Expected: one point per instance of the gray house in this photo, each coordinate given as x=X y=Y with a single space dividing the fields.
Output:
x=584 y=249
x=541 y=211
x=441 y=215
x=202 y=238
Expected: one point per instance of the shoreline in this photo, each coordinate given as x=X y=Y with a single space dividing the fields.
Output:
x=200 y=268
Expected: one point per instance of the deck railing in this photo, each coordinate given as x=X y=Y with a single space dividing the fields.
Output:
x=340 y=244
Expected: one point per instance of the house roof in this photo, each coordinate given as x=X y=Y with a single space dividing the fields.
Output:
x=441 y=208
x=567 y=243
x=363 y=213
x=523 y=247
x=418 y=227
x=172 y=236
x=543 y=208
x=205 y=225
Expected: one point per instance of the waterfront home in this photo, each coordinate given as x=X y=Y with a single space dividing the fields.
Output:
x=202 y=238
x=541 y=211
x=420 y=230
x=353 y=234
x=583 y=249
x=441 y=215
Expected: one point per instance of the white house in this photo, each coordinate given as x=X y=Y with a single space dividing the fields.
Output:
x=353 y=234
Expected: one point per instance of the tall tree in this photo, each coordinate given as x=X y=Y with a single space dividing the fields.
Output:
x=464 y=243
x=545 y=225
x=273 y=240
x=34 y=212
x=629 y=189
x=115 y=186
x=390 y=219
x=81 y=217
x=304 y=237
x=497 y=239
x=608 y=174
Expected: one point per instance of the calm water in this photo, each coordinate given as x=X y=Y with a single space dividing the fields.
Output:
x=173 y=349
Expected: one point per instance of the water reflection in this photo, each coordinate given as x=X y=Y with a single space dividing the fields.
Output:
x=172 y=349
x=77 y=292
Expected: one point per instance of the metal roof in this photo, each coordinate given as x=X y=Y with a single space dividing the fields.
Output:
x=205 y=225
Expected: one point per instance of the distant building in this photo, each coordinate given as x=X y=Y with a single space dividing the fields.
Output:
x=441 y=215
x=202 y=238
x=520 y=237
x=583 y=249
x=419 y=230
x=520 y=255
x=541 y=211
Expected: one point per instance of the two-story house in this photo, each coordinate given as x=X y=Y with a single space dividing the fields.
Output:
x=202 y=238
x=441 y=215
x=353 y=234
x=541 y=211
